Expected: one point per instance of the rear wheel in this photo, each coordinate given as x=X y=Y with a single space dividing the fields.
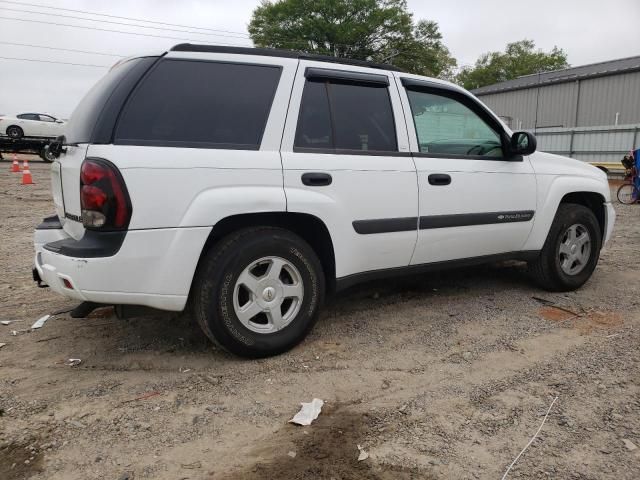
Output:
x=570 y=253
x=46 y=155
x=627 y=194
x=15 y=132
x=258 y=291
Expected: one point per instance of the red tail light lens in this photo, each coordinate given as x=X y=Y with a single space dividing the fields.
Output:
x=103 y=196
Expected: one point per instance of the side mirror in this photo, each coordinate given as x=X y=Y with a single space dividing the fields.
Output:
x=523 y=143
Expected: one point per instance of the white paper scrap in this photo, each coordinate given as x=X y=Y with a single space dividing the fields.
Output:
x=308 y=413
x=40 y=322
x=363 y=454
x=2 y=345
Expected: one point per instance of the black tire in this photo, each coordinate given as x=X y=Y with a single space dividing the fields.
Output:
x=547 y=270
x=625 y=194
x=14 y=132
x=214 y=289
x=46 y=155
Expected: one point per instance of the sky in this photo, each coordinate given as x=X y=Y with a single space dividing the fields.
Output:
x=588 y=30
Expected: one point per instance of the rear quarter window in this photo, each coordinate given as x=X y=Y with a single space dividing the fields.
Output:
x=93 y=120
x=205 y=104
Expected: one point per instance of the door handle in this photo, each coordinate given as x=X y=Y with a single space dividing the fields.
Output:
x=439 y=179
x=316 y=179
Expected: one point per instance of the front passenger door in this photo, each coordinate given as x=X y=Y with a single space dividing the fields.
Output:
x=474 y=200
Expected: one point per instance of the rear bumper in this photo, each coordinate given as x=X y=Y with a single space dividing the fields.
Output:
x=153 y=268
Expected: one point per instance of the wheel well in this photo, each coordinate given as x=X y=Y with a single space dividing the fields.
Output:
x=309 y=227
x=16 y=126
x=604 y=169
x=593 y=201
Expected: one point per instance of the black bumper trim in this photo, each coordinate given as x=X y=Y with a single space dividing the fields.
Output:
x=92 y=245
x=50 y=223
x=37 y=279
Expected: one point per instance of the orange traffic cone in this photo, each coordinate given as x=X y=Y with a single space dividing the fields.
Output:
x=26 y=175
x=15 y=167
x=25 y=164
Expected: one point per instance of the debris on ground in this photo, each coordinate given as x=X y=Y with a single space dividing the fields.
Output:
x=192 y=466
x=308 y=413
x=40 y=322
x=6 y=322
x=363 y=454
x=2 y=345
x=142 y=397
x=292 y=454
x=557 y=313
x=73 y=362
x=535 y=435
x=629 y=444
x=544 y=301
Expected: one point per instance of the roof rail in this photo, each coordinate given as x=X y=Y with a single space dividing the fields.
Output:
x=276 y=52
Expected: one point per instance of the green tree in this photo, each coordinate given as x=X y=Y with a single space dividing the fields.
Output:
x=519 y=58
x=377 y=30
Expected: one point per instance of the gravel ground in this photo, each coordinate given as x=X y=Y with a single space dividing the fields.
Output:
x=441 y=376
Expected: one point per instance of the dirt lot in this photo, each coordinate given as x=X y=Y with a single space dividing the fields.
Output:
x=444 y=376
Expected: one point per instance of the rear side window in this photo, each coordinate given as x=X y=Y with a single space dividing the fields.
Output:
x=184 y=103
x=93 y=119
x=340 y=115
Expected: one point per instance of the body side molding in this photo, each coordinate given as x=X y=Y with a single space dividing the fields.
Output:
x=405 y=224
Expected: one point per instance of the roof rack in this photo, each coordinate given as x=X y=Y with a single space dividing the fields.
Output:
x=276 y=52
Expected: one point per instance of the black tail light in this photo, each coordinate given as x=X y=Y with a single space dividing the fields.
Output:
x=104 y=198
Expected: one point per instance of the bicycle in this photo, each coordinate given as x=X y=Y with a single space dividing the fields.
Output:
x=628 y=193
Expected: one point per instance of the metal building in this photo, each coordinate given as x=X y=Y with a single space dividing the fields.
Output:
x=591 y=112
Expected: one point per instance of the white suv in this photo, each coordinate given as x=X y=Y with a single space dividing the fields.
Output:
x=246 y=183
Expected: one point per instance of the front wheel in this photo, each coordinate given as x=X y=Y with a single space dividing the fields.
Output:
x=627 y=194
x=258 y=291
x=15 y=132
x=571 y=252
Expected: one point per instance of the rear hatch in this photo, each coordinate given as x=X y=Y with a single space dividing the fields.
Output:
x=65 y=188
x=92 y=122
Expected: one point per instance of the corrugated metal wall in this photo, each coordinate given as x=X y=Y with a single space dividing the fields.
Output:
x=597 y=101
x=591 y=144
x=601 y=98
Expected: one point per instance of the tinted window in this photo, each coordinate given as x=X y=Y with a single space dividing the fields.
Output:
x=28 y=116
x=194 y=103
x=346 y=116
x=314 y=122
x=46 y=118
x=446 y=126
x=103 y=98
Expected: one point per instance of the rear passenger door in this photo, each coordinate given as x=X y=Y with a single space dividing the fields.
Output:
x=346 y=160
